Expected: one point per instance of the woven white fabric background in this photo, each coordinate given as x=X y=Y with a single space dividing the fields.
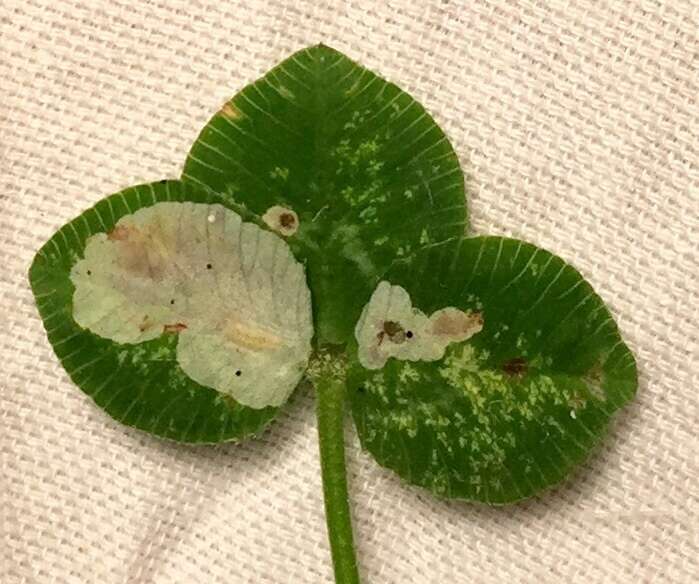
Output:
x=578 y=123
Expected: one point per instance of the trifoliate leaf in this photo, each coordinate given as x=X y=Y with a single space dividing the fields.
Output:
x=173 y=314
x=486 y=369
x=352 y=170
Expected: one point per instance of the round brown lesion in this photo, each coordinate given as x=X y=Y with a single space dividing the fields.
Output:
x=516 y=367
x=394 y=332
x=283 y=220
x=287 y=220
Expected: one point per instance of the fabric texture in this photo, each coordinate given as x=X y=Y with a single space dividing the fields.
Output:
x=577 y=124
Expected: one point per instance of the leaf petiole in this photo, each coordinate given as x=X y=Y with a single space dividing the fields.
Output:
x=328 y=376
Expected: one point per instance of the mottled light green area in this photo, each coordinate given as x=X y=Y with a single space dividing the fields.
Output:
x=253 y=294
x=363 y=165
x=511 y=410
x=232 y=293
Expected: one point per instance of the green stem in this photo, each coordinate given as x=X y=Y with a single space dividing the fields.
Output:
x=330 y=410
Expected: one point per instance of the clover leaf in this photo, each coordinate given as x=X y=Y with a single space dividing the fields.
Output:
x=318 y=232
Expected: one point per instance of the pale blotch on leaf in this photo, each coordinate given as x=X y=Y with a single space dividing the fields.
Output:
x=282 y=220
x=232 y=292
x=390 y=326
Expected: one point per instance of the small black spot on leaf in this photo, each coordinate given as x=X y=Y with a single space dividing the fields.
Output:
x=208 y=266
x=238 y=373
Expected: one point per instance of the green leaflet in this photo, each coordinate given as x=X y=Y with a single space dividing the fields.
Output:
x=368 y=172
x=140 y=384
x=512 y=409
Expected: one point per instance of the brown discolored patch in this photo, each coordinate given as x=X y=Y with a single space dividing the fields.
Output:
x=251 y=336
x=231 y=112
x=146 y=323
x=594 y=380
x=178 y=327
x=394 y=332
x=145 y=251
x=287 y=220
x=391 y=328
x=455 y=324
x=119 y=233
x=516 y=367
x=231 y=403
x=576 y=401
